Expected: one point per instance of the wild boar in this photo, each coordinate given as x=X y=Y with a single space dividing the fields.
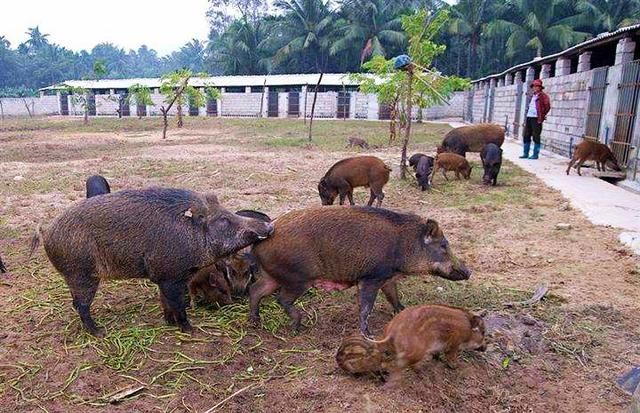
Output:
x=593 y=151
x=350 y=173
x=471 y=138
x=491 y=157
x=411 y=336
x=97 y=185
x=423 y=171
x=163 y=234
x=353 y=141
x=414 y=159
x=451 y=162
x=209 y=285
x=334 y=248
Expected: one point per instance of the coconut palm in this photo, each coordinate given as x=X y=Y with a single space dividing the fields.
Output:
x=468 y=19
x=371 y=25
x=308 y=26
x=37 y=39
x=536 y=24
x=606 y=15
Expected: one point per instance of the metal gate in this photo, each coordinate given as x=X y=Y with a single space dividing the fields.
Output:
x=516 y=116
x=272 y=105
x=123 y=104
x=294 y=105
x=628 y=92
x=596 y=99
x=193 y=109
x=492 y=95
x=91 y=103
x=468 y=113
x=384 y=111
x=64 y=104
x=212 y=107
x=141 y=110
x=344 y=101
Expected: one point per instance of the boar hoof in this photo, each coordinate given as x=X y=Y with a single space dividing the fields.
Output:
x=186 y=328
x=254 y=321
x=98 y=332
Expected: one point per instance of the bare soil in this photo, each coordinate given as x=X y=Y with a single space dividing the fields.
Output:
x=562 y=354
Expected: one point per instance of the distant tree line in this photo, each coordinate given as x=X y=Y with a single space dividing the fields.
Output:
x=303 y=36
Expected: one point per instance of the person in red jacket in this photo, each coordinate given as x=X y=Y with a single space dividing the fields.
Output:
x=537 y=109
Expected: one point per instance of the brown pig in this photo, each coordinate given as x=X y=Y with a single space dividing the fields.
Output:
x=353 y=141
x=334 y=248
x=163 y=234
x=350 y=173
x=471 y=138
x=209 y=285
x=593 y=151
x=411 y=336
x=451 y=162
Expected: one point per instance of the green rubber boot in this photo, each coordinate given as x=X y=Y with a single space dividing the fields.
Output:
x=536 y=151
x=525 y=153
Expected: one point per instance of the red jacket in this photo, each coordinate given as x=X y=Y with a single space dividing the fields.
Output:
x=543 y=106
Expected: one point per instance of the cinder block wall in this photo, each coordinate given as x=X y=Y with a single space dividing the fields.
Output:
x=44 y=105
x=241 y=104
x=504 y=106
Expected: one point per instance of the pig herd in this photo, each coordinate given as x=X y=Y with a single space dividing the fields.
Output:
x=197 y=251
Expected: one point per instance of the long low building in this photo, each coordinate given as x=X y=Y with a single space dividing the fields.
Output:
x=594 y=89
x=268 y=96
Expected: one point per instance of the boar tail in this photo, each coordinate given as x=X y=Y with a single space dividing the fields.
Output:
x=35 y=240
x=378 y=342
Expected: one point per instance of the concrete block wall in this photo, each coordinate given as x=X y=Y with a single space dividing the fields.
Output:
x=361 y=105
x=504 y=105
x=242 y=104
x=326 y=105
x=451 y=110
x=44 y=105
x=478 y=104
x=154 y=109
x=565 y=122
x=107 y=104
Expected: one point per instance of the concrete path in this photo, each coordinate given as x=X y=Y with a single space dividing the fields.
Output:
x=601 y=202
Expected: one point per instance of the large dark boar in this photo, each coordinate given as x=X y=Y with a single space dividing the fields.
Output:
x=335 y=248
x=350 y=173
x=471 y=138
x=166 y=235
x=423 y=171
x=97 y=185
x=594 y=151
x=491 y=157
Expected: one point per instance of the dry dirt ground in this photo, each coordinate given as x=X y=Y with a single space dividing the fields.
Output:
x=562 y=354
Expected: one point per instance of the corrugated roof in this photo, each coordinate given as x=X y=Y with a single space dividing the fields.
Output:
x=329 y=79
x=601 y=38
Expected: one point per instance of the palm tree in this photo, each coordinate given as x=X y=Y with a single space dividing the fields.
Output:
x=239 y=50
x=308 y=25
x=536 y=24
x=599 y=16
x=468 y=19
x=36 y=39
x=372 y=25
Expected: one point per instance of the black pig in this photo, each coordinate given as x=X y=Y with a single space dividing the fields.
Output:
x=491 y=157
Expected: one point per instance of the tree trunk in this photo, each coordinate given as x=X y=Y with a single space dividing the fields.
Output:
x=179 y=110
x=86 y=116
x=407 y=131
x=165 y=122
x=1 y=110
x=313 y=105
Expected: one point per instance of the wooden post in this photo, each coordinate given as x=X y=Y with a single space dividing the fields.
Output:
x=264 y=85
x=407 y=132
x=313 y=105
x=306 y=92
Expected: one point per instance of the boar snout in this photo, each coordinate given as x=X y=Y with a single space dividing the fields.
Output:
x=451 y=271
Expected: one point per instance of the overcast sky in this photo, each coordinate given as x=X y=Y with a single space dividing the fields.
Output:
x=162 y=25
x=81 y=24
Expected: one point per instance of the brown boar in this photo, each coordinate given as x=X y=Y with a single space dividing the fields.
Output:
x=353 y=141
x=334 y=248
x=209 y=285
x=350 y=173
x=593 y=151
x=471 y=138
x=163 y=234
x=451 y=162
x=411 y=336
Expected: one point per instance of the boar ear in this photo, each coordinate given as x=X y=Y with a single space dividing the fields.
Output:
x=477 y=323
x=431 y=230
x=211 y=199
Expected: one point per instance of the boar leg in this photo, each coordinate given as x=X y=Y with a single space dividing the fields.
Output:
x=286 y=298
x=368 y=290
x=83 y=290
x=350 y=196
x=571 y=162
x=172 y=294
x=451 y=357
x=390 y=290
x=258 y=290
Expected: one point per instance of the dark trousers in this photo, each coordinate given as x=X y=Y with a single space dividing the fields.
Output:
x=532 y=129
